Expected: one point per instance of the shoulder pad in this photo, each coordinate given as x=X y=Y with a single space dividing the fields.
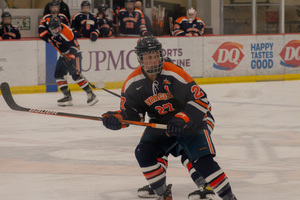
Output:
x=180 y=19
x=75 y=15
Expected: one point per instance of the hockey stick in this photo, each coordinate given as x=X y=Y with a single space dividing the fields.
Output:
x=6 y=93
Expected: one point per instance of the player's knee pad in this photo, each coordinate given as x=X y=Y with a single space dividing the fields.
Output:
x=206 y=165
x=147 y=153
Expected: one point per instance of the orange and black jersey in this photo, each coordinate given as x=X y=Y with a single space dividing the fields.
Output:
x=65 y=41
x=44 y=25
x=173 y=91
x=132 y=24
x=105 y=27
x=182 y=26
x=9 y=32
x=85 y=24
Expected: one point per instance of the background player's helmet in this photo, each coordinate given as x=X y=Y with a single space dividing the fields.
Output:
x=129 y=5
x=6 y=15
x=191 y=14
x=102 y=8
x=53 y=24
x=52 y=4
x=85 y=3
x=146 y=45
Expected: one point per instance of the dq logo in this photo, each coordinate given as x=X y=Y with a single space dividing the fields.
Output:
x=290 y=54
x=228 y=56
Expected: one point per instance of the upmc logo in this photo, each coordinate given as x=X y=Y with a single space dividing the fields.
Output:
x=228 y=56
x=290 y=54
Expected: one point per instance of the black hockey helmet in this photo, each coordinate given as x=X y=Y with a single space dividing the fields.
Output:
x=102 y=7
x=53 y=24
x=5 y=14
x=85 y=3
x=149 y=44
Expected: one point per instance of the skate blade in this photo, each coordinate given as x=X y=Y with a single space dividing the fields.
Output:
x=93 y=102
x=146 y=195
x=197 y=197
x=64 y=104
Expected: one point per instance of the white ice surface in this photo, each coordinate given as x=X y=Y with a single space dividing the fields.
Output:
x=257 y=137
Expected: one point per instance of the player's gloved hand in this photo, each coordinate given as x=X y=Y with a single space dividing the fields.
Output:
x=94 y=36
x=111 y=120
x=77 y=34
x=177 y=124
x=6 y=36
x=105 y=31
x=70 y=59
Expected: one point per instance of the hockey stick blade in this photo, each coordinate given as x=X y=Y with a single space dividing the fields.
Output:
x=101 y=85
x=6 y=93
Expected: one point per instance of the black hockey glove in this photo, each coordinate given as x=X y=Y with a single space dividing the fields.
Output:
x=70 y=59
x=94 y=36
x=77 y=34
x=111 y=120
x=177 y=124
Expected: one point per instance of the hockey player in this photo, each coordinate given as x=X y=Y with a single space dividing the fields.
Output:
x=132 y=22
x=169 y=96
x=7 y=30
x=205 y=192
x=64 y=8
x=105 y=23
x=62 y=38
x=84 y=23
x=189 y=25
x=54 y=8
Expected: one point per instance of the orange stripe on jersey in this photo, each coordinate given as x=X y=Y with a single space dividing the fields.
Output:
x=209 y=142
x=43 y=33
x=76 y=14
x=67 y=32
x=205 y=105
x=211 y=124
x=171 y=67
x=179 y=20
x=154 y=173
x=218 y=181
x=177 y=32
x=135 y=73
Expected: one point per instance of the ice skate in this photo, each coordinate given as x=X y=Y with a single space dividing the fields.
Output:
x=205 y=193
x=146 y=192
x=232 y=197
x=66 y=100
x=92 y=99
x=167 y=195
